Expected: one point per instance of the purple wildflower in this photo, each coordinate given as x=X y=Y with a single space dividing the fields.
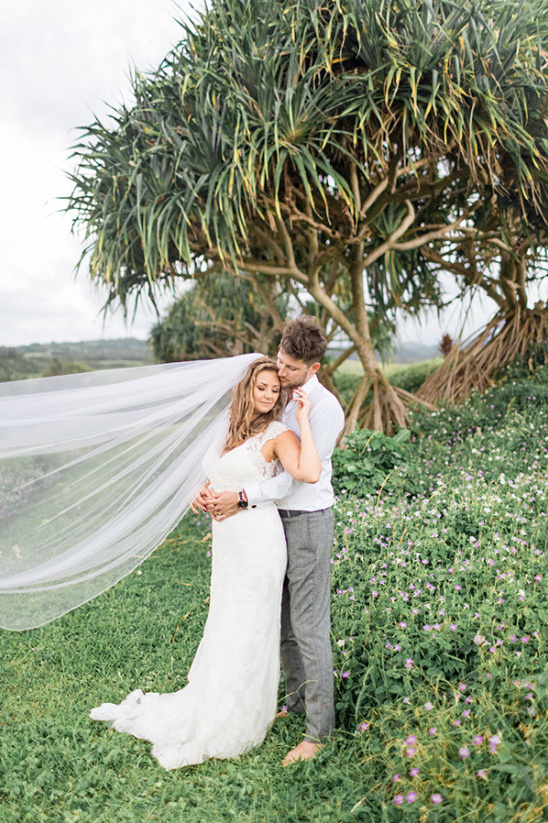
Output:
x=494 y=742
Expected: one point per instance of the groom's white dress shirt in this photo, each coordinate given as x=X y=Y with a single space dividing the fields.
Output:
x=326 y=423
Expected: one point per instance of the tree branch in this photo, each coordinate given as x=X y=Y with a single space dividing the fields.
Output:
x=268 y=240
x=270 y=303
x=388 y=244
x=272 y=271
x=463 y=271
x=428 y=237
x=331 y=368
x=288 y=245
x=354 y=182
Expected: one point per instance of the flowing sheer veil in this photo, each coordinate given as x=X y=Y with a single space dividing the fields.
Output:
x=95 y=470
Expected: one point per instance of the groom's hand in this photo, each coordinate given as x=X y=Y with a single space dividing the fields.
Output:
x=223 y=505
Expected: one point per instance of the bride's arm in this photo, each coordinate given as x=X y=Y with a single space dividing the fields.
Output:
x=299 y=457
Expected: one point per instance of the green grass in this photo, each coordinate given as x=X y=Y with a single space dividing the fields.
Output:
x=355 y=368
x=406 y=376
x=439 y=623
x=59 y=765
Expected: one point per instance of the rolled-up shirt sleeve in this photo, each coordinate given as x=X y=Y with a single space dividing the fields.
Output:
x=326 y=423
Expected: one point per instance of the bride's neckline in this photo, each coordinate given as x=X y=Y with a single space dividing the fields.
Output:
x=245 y=442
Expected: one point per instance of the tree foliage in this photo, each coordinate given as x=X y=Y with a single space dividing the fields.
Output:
x=60 y=365
x=353 y=149
x=221 y=316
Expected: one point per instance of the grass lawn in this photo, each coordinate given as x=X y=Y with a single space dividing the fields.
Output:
x=61 y=766
x=355 y=368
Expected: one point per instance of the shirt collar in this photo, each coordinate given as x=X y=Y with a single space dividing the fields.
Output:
x=310 y=386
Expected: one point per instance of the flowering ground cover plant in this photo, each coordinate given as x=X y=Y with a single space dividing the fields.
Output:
x=439 y=616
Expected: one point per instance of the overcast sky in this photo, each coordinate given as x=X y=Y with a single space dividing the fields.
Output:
x=62 y=61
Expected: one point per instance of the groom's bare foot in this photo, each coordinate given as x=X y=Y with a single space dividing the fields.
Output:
x=304 y=751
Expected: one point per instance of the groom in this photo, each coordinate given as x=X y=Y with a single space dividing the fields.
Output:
x=308 y=522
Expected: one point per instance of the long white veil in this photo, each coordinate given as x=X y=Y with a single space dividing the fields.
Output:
x=95 y=470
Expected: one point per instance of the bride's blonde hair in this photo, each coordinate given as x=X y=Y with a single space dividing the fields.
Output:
x=242 y=408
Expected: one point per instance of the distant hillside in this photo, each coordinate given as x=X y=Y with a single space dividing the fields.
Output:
x=408 y=351
x=412 y=352
x=22 y=362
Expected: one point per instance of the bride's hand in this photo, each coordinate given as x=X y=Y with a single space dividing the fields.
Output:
x=202 y=499
x=303 y=407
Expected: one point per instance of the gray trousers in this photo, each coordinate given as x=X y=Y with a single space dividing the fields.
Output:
x=306 y=653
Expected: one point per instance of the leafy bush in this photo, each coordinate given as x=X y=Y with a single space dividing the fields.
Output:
x=15 y=366
x=366 y=460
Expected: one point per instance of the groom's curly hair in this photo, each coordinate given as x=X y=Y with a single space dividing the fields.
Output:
x=303 y=339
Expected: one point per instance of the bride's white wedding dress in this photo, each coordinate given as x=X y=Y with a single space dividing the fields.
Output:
x=231 y=697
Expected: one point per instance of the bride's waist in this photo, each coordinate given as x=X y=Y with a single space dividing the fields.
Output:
x=262 y=509
x=219 y=488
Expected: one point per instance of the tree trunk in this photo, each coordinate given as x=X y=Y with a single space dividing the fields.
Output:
x=387 y=411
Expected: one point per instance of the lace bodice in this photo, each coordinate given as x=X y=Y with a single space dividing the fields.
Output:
x=245 y=464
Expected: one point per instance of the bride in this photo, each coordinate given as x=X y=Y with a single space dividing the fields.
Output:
x=231 y=697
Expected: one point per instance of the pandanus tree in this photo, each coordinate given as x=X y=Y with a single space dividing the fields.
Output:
x=351 y=150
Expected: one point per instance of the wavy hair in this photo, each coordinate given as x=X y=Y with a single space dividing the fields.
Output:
x=241 y=425
x=303 y=339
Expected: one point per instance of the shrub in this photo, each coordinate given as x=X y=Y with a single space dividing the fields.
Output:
x=366 y=461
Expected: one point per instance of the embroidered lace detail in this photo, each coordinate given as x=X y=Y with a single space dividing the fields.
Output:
x=270 y=433
x=255 y=444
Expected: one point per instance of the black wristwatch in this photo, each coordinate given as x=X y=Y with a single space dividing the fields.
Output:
x=242 y=500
